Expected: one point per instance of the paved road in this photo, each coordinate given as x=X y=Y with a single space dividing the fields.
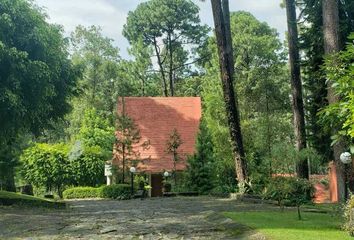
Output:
x=155 y=218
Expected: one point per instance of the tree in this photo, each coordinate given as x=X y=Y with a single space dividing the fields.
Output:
x=201 y=172
x=172 y=146
x=171 y=28
x=311 y=44
x=224 y=43
x=37 y=76
x=127 y=146
x=331 y=46
x=99 y=61
x=46 y=166
x=296 y=87
x=96 y=131
x=340 y=115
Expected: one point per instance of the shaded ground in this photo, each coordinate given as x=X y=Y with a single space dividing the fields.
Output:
x=158 y=218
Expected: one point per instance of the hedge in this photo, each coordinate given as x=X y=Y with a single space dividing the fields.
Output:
x=82 y=192
x=10 y=198
x=119 y=191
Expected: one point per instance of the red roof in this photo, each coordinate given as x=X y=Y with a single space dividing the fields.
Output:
x=156 y=118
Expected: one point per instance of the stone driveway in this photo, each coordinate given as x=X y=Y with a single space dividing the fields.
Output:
x=155 y=218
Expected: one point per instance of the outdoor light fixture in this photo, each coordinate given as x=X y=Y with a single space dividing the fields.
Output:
x=132 y=171
x=166 y=174
x=346 y=159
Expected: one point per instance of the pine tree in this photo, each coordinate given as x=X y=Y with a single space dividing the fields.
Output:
x=200 y=171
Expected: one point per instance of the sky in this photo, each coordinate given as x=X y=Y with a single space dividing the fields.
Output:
x=111 y=15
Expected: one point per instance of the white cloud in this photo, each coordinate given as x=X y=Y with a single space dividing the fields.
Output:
x=111 y=14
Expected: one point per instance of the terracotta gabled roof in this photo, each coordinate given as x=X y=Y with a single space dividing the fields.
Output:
x=156 y=117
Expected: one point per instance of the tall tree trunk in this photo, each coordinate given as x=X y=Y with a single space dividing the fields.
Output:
x=331 y=46
x=162 y=70
x=302 y=167
x=223 y=38
x=170 y=65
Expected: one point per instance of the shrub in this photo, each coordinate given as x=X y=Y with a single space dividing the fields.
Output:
x=82 y=192
x=118 y=191
x=349 y=216
x=277 y=189
x=295 y=191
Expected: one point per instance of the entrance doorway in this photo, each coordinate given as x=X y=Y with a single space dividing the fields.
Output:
x=156 y=185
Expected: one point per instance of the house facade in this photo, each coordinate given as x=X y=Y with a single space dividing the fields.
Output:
x=156 y=118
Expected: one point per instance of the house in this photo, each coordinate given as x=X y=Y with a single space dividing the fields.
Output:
x=156 y=118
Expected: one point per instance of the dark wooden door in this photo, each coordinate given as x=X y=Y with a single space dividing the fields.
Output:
x=156 y=184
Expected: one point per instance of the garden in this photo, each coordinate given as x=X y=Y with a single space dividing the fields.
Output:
x=173 y=124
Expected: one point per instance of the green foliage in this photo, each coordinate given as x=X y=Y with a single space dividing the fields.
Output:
x=82 y=192
x=171 y=31
x=37 y=77
x=314 y=78
x=96 y=131
x=200 y=174
x=349 y=214
x=10 y=198
x=293 y=191
x=46 y=165
x=118 y=191
x=87 y=169
x=340 y=72
x=285 y=157
x=262 y=88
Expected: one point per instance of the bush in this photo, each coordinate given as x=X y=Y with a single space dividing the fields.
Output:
x=118 y=191
x=82 y=192
x=348 y=214
x=294 y=191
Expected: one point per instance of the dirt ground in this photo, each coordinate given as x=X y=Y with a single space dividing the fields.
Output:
x=154 y=218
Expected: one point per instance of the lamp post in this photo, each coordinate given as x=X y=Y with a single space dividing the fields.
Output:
x=346 y=159
x=166 y=174
x=132 y=171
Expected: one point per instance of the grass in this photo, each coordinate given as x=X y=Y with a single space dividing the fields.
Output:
x=10 y=198
x=285 y=225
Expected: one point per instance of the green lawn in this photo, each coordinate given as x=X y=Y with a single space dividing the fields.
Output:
x=286 y=226
x=10 y=198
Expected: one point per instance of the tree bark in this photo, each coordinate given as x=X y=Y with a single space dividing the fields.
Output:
x=224 y=43
x=162 y=71
x=302 y=167
x=170 y=65
x=330 y=14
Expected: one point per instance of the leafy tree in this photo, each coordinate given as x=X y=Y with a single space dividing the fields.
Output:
x=138 y=74
x=99 y=61
x=171 y=28
x=200 y=175
x=311 y=44
x=37 y=76
x=340 y=115
x=46 y=165
x=330 y=13
x=172 y=146
x=96 y=131
x=87 y=168
x=262 y=87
